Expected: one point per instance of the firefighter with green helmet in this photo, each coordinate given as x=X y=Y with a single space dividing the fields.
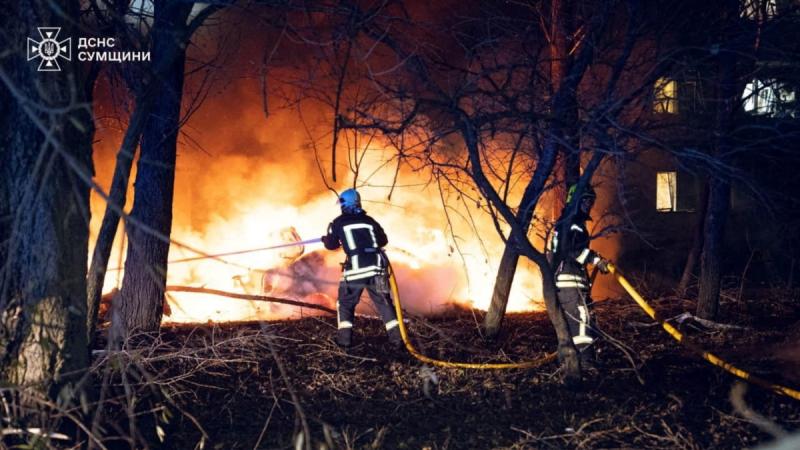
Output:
x=571 y=254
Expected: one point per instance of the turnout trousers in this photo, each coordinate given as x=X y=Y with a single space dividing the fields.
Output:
x=577 y=308
x=350 y=295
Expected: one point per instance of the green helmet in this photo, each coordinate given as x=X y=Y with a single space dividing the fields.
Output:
x=587 y=193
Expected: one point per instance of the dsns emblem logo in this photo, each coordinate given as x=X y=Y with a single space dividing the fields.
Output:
x=49 y=49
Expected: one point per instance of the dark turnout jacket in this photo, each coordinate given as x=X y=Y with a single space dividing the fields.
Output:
x=571 y=253
x=362 y=238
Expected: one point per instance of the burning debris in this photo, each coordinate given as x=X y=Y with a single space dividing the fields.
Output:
x=307 y=278
x=299 y=276
x=291 y=253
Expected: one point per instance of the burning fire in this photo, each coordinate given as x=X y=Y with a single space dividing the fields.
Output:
x=245 y=182
x=431 y=273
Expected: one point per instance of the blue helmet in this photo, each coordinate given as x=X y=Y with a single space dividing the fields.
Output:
x=350 y=201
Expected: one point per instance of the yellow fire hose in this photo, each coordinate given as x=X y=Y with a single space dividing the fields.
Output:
x=462 y=365
x=708 y=356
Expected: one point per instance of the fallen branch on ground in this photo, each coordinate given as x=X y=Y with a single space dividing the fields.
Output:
x=259 y=298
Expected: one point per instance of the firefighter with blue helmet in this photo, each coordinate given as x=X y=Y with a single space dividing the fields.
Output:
x=362 y=238
x=571 y=254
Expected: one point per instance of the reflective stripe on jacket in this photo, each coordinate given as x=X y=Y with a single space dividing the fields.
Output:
x=362 y=238
x=571 y=253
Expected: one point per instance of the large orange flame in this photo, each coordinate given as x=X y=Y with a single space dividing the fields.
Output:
x=243 y=180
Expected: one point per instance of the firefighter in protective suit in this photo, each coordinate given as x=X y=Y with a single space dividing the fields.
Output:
x=571 y=254
x=362 y=239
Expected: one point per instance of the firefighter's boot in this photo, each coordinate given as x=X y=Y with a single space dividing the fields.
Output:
x=395 y=339
x=588 y=358
x=344 y=337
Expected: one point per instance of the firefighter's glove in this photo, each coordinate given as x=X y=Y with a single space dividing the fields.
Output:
x=602 y=265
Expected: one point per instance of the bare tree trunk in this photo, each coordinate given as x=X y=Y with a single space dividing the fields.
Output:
x=117 y=198
x=719 y=187
x=566 y=349
x=567 y=353
x=697 y=241
x=45 y=164
x=563 y=104
x=493 y=321
x=140 y=303
x=562 y=19
x=711 y=260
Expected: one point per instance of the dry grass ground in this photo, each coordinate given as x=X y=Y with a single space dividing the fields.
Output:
x=265 y=385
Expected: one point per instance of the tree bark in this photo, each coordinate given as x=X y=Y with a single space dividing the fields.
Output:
x=506 y=271
x=697 y=241
x=562 y=19
x=719 y=187
x=45 y=165
x=140 y=303
x=564 y=109
x=117 y=198
x=567 y=353
x=711 y=261
x=518 y=239
x=493 y=321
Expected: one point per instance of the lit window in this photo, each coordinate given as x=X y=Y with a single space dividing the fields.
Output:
x=787 y=106
x=666 y=96
x=759 y=9
x=759 y=97
x=768 y=97
x=667 y=191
